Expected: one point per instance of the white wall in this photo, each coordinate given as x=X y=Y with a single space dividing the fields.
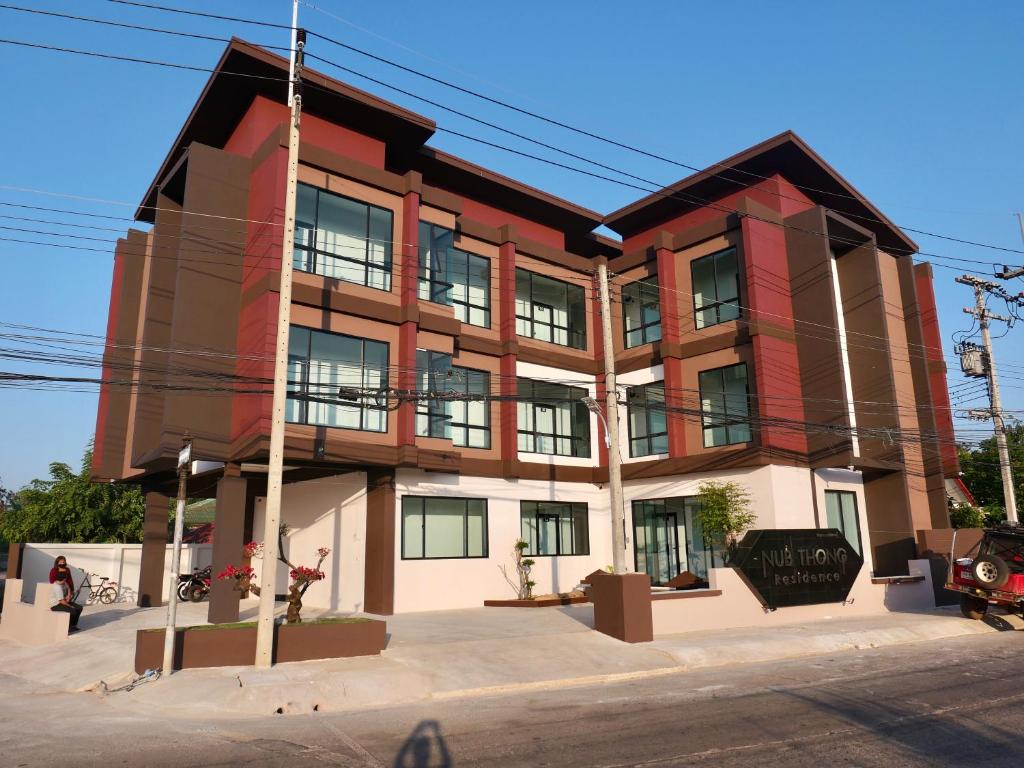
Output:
x=329 y=512
x=120 y=562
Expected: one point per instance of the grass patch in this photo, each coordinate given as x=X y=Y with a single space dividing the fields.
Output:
x=244 y=624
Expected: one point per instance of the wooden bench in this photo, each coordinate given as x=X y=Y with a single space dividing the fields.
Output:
x=32 y=623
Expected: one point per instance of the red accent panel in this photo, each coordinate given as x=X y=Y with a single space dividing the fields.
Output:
x=932 y=339
x=507 y=327
x=495 y=217
x=668 y=285
x=116 y=288
x=674 y=398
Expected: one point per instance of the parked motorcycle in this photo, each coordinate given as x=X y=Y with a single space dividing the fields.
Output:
x=195 y=586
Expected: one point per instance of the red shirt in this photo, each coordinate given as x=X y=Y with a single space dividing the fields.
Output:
x=67 y=580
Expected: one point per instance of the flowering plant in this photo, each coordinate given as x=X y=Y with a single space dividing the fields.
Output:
x=231 y=572
x=301 y=575
x=253 y=549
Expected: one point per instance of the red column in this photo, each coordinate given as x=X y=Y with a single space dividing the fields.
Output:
x=408 y=277
x=509 y=347
x=671 y=338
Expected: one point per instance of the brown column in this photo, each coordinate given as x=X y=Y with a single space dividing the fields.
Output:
x=509 y=348
x=671 y=338
x=15 y=553
x=409 y=272
x=228 y=535
x=379 y=589
x=154 y=550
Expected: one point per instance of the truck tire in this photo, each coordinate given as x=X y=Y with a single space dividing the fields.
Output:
x=973 y=607
x=990 y=571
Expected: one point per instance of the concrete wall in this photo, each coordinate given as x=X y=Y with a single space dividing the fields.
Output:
x=120 y=562
x=738 y=607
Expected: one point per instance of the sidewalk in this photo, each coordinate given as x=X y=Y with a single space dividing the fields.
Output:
x=444 y=655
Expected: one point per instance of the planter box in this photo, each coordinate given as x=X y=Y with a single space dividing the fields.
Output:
x=234 y=645
x=542 y=603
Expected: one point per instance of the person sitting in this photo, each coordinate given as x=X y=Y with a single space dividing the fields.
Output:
x=63 y=592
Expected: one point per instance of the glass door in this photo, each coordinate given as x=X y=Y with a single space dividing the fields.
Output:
x=655 y=536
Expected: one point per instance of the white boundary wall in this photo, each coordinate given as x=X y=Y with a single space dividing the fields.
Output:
x=120 y=562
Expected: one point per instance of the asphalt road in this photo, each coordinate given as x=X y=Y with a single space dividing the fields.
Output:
x=956 y=702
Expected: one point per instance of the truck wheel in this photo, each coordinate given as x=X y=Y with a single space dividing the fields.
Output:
x=973 y=607
x=990 y=571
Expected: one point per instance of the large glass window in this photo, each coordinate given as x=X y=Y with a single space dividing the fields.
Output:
x=554 y=528
x=648 y=423
x=336 y=380
x=553 y=419
x=453 y=277
x=550 y=310
x=459 y=410
x=668 y=539
x=342 y=238
x=716 y=288
x=841 y=513
x=436 y=527
x=641 y=312
x=725 y=405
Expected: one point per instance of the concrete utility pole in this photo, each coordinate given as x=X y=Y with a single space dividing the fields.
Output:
x=272 y=518
x=184 y=461
x=611 y=426
x=983 y=316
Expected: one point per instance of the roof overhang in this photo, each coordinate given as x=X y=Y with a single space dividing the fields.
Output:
x=787 y=155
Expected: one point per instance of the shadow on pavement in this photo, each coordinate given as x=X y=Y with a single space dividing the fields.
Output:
x=425 y=748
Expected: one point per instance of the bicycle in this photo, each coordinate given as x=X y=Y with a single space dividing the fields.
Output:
x=106 y=591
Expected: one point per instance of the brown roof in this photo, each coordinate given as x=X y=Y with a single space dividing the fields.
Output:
x=786 y=154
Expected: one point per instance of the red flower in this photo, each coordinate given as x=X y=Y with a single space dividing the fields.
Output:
x=303 y=574
x=323 y=552
x=253 y=549
x=231 y=572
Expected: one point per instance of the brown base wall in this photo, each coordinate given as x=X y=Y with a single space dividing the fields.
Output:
x=236 y=646
x=622 y=606
x=543 y=603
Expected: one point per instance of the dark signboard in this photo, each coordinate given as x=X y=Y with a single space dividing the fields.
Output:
x=797 y=566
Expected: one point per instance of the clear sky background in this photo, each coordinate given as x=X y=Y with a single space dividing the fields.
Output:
x=918 y=104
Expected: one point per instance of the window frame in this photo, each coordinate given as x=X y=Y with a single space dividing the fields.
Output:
x=645 y=329
x=580 y=334
x=365 y=402
x=573 y=508
x=649 y=436
x=465 y=527
x=427 y=280
x=427 y=407
x=314 y=253
x=707 y=416
x=841 y=493
x=682 y=507
x=532 y=400
x=718 y=303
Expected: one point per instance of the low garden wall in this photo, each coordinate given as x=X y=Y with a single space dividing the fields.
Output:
x=234 y=645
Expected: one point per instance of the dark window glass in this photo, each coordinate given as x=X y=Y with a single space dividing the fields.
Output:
x=336 y=380
x=459 y=411
x=648 y=423
x=550 y=310
x=668 y=539
x=438 y=527
x=725 y=405
x=553 y=419
x=841 y=513
x=554 y=528
x=641 y=312
x=716 y=288
x=450 y=276
x=342 y=238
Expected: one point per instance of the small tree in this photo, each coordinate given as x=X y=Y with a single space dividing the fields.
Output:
x=724 y=513
x=524 y=589
x=966 y=516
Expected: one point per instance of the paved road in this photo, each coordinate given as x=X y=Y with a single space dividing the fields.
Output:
x=956 y=702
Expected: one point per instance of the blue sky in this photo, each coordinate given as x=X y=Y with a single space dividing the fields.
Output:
x=916 y=103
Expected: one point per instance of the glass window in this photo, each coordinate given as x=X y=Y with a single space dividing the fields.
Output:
x=648 y=423
x=725 y=405
x=434 y=527
x=641 y=312
x=550 y=310
x=449 y=276
x=336 y=380
x=668 y=539
x=342 y=238
x=841 y=511
x=716 y=288
x=554 y=528
x=552 y=419
x=460 y=410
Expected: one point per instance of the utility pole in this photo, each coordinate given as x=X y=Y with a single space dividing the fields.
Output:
x=184 y=461
x=272 y=518
x=983 y=316
x=611 y=426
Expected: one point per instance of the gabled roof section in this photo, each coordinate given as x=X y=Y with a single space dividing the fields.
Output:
x=786 y=154
x=246 y=71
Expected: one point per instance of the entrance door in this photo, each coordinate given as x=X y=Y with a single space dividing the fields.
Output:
x=657 y=544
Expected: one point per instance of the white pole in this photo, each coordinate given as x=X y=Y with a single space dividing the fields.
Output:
x=272 y=519
x=184 y=459
x=612 y=426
